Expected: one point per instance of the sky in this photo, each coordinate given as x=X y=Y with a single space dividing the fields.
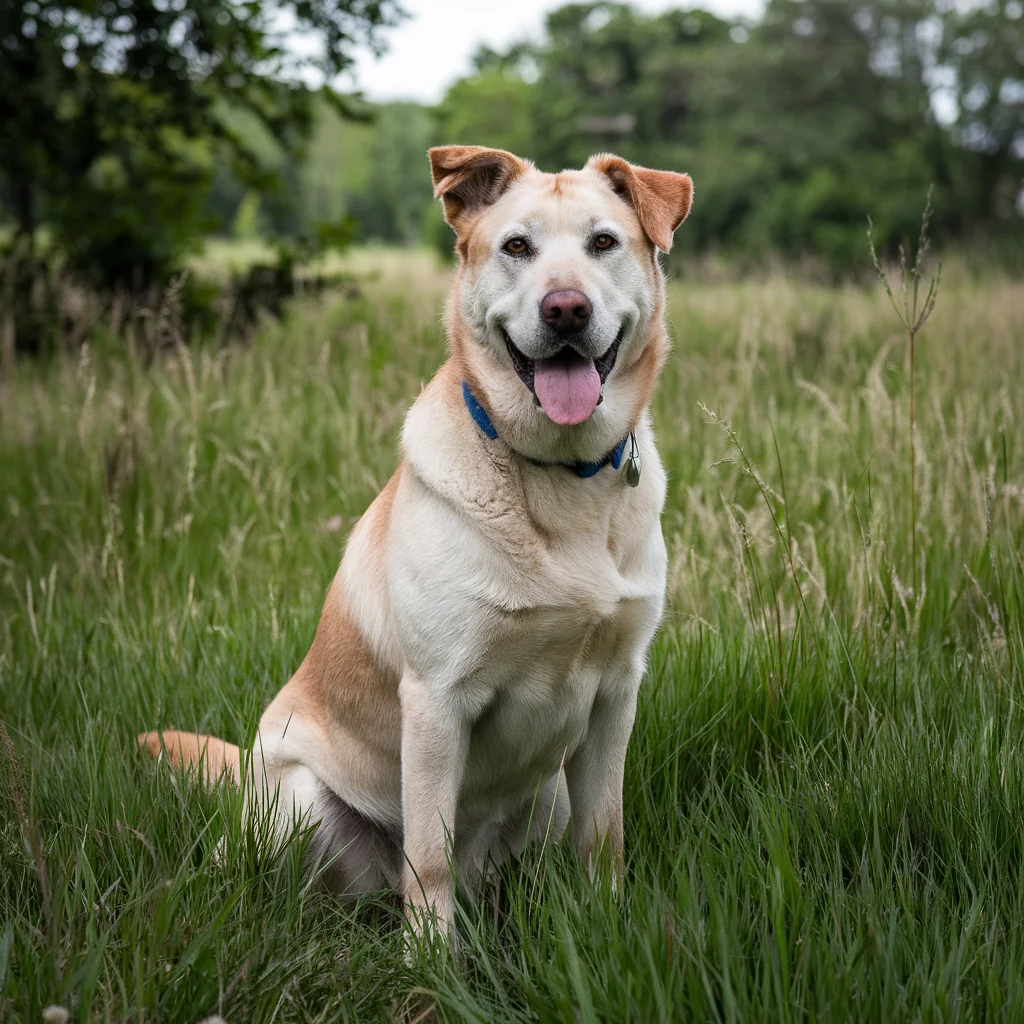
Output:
x=435 y=45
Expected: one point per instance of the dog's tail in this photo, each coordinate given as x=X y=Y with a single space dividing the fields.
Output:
x=206 y=757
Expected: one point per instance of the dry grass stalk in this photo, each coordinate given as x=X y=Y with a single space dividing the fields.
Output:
x=913 y=314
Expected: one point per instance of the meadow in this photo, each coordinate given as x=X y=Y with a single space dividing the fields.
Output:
x=825 y=787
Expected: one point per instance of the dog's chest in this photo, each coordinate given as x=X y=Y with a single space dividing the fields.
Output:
x=571 y=619
x=517 y=601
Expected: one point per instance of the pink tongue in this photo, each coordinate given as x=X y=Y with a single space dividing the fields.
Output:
x=568 y=389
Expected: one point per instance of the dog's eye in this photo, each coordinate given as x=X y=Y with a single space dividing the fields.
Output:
x=604 y=242
x=515 y=246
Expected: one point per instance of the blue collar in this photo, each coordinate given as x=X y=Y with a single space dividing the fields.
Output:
x=581 y=469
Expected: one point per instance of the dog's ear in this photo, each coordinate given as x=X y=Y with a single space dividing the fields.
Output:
x=467 y=178
x=661 y=199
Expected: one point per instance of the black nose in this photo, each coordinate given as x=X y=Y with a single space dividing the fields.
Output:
x=568 y=312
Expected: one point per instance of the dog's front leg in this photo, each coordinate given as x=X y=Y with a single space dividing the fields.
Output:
x=594 y=776
x=435 y=739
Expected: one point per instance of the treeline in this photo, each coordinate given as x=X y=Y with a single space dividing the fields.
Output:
x=128 y=132
x=795 y=129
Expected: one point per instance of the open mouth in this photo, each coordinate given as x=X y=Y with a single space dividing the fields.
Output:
x=567 y=385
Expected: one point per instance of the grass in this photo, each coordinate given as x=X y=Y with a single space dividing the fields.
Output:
x=825 y=788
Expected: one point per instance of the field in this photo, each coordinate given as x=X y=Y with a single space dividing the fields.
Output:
x=825 y=788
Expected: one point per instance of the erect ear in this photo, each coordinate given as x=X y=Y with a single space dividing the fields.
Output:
x=661 y=199
x=467 y=178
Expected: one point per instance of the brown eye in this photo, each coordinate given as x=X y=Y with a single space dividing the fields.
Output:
x=604 y=242
x=515 y=246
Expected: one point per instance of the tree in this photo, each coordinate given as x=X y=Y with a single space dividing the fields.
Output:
x=982 y=52
x=821 y=116
x=113 y=113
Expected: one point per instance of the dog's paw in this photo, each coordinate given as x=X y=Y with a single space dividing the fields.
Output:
x=427 y=933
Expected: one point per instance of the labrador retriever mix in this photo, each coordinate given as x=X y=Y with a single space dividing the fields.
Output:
x=474 y=675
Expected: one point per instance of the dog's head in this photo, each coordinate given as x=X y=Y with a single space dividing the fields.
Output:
x=556 y=315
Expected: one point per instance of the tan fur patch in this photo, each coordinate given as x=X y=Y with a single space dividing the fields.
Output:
x=189 y=750
x=342 y=684
x=467 y=178
x=661 y=199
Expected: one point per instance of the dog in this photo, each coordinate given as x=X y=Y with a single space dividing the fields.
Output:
x=473 y=679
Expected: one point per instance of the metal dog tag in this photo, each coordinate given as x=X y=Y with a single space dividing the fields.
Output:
x=633 y=465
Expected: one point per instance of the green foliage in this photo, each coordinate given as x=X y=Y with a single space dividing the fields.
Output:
x=493 y=104
x=112 y=117
x=390 y=203
x=982 y=48
x=371 y=170
x=246 y=222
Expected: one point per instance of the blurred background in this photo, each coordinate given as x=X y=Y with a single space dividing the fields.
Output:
x=242 y=141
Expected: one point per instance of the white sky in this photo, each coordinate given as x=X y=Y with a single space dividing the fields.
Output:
x=435 y=45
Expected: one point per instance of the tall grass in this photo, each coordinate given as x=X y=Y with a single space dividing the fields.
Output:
x=824 y=789
x=913 y=314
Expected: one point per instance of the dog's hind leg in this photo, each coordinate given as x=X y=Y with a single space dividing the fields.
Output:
x=352 y=854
